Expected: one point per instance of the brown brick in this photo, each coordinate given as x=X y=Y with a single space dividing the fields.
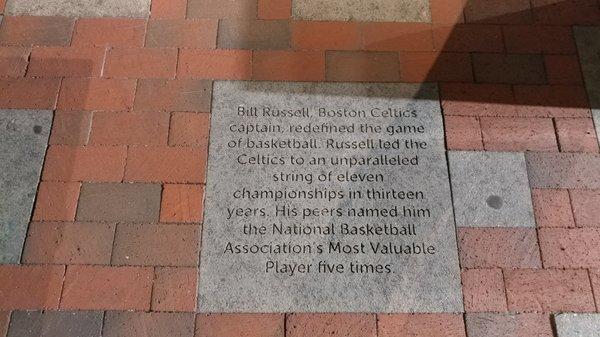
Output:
x=498 y=248
x=421 y=325
x=509 y=68
x=563 y=69
x=13 y=61
x=36 y=31
x=483 y=290
x=379 y=36
x=548 y=290
x=247 y=325
x=96 y=94
x=219 y=9
x=119 y=202
x=68 y=243
x=182 y=203
x=182 y=34
x=107 y=288
x=563 y=170
x=253 y=34
x=572 y=12
x=552 y=208
x=570 y=248
x=215 y=64
x=552 y=101
x=66 y=62
x=288 y=66
x=585 y=207
x=315 y=35
x=468 y=38
x=274 y=9
x=502 y=12
x=463 y=133
x=155 y=164
x=56 y=201
x=518 y=134
x=576 y=135
x=177 y=95
x=141 y=63
x=321 y=325
x=168 y=9
x=84 y=163
x=130 y=128
x=30 y=287
x=113 y=32
x=469 y=99
x=71 y=127
x=175 y=289
x=148 y=324
x=29 y=93
x=435 y=66
x=189 y=129
x=508 y=325
x=56 y=323
x=447 y=11
x=362 y=66
x=539 y=39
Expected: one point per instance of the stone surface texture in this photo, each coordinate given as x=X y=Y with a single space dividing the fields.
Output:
x=370 y=10
x=577 y=325
x=79 y=8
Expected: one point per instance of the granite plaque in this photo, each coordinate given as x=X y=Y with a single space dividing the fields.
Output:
x=327 y=197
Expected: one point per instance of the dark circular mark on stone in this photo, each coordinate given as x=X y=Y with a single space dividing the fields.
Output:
x=37 y=129
x=494 y=201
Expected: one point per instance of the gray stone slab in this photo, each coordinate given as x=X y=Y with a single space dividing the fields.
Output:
x=119 y=202
x=563 y=170
x=23 y=140
x=577 y=325
x=245 y=191
x=588 y=46
x=79 y=8
x=508 y=325
x=490 y=189
x=363 y=10
x=55 y=324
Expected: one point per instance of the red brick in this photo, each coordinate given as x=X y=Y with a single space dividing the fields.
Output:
x=576 y=135
x=468 y=38
x=508 y=325
x=189 y=129
x=66 y=62
x=56 y=201
x=502 y=12
x=36 y=31
x=220 y=9
x=548 y=290
x=174 y=289
x=551 y=101
x=96 y=94
x=321 y=325
x=539 y=39
x=155 y=164
x=182 y=203
x=463 y=133
x=2 y=4
x=397 y=37
x=595 y=278
x=518 y=134
x=71 y=127
x=178 y=95
x=107 y=288
x=156 y=245
x=274 y=9
x=362 y=66
x=13 y=61
x=288 y=66
x=435 y=66
x=314 y=35
x=447 y=11
x=109 y=32
x=29 y=93
x=509 y=68
x=88 y=163
x=566 y=12
x=570 y=248
x=552 y=208
x=483 y=290
x=130 y=128
x=585 y=207
x=68 y=243
x=30 y=287
x=168 y=9
x=563 y=69
x=498 y=248
x=421 y=325
x=215 y=64
x=247 y=325
x=466 y=99
x=141 y=63
x=182 y=34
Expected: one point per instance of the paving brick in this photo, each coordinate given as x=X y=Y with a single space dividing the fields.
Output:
x=483 y=290
x=130 y=128
x=421 y=325
x=435 y=66
x=113 y=32
x=568 y=12
x=56 y=324
x=468 y=38
x=13 y=61
x=30 y=287
x=84 y=163
x=548 y=290
x=362 y=66
x=182 y=34
x=463 y=133
x=468 y=99
x=141 y=63
x=595 y=279
x=576 y=135
x=168 y=9
x=320 y=325
x=215 y=64
x=247 y=325
x=107 y=288
x=71 y=127
x=508 y=325
x=552 y=208
x=539 y=39
x=288 y=66
x=218 y=9
x=68 y=243
x=447 y=11
x=563 y=69
x=498 y=248
x=175 y=289
x=29 y=93
x=509 y=68
x=189 y=129
x=502 y=12
x=253 y=34
x=156 y=245
x=155 y=164
x=182 y=203
x=563 y=170
x=178 y=95
x=274 y=9
x=119 y=202
x=2 y=5
x=570 y=248
x=153 y=324
x=326 y=35
x=4 y=319
x=66 y=62
x=397 y=37
x=585 y=207
x=96 y=94
x=518 y=134
x=551 y=101
x=56 y=201
x=36 y=31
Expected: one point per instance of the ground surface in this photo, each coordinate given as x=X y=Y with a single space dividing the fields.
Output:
x=112 y=247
